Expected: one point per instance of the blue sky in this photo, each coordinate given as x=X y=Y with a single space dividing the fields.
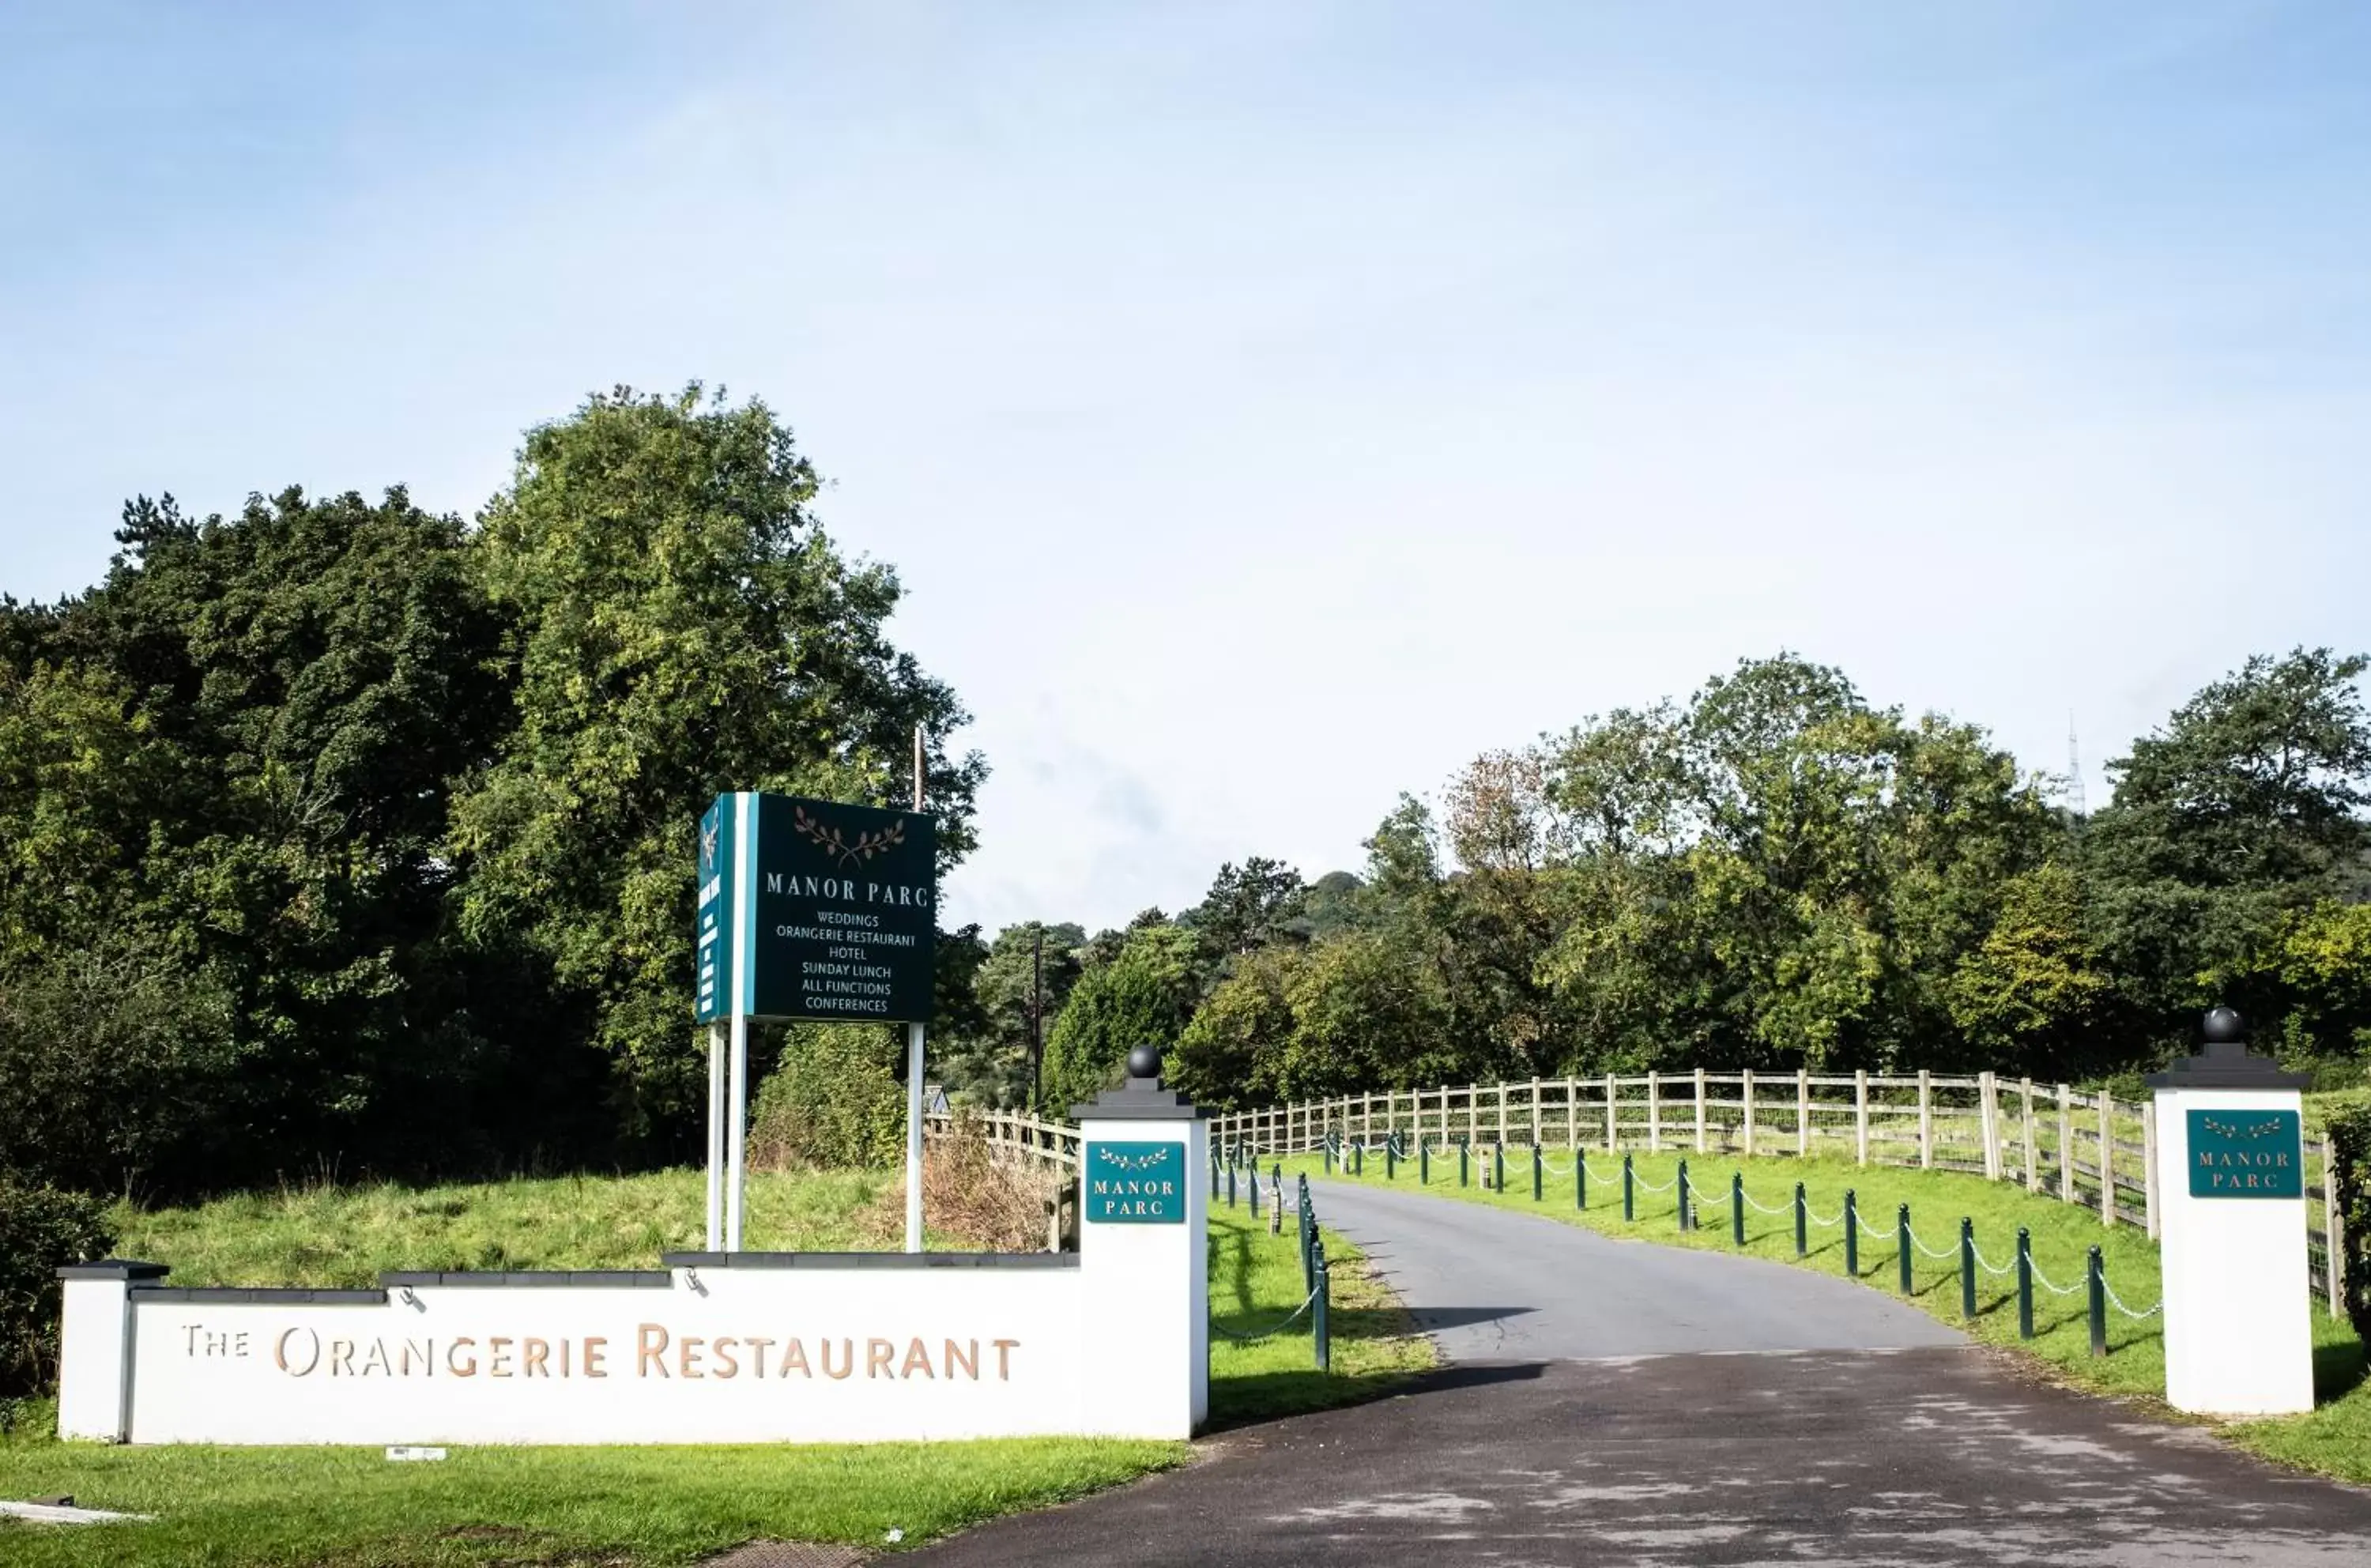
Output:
x=1271 y=406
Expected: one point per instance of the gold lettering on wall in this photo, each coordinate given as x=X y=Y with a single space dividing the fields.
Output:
x=301 y=1352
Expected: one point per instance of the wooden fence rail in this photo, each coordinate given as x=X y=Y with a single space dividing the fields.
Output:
x=2083 y=1148
x=1012 y=1136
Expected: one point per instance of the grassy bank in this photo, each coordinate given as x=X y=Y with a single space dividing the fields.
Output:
x=351 y=1508
x=2335 y=1439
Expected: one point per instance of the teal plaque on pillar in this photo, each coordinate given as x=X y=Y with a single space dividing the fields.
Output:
x=1136 y=1183
x=2246 y=1154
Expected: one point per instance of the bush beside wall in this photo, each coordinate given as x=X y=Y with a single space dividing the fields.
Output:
x=41 y=1228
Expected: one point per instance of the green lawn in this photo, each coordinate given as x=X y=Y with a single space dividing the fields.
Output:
x=351 y=1508
x=2335 y=1439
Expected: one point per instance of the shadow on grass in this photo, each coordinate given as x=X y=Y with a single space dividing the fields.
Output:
x=2338 y=1369
x=1269 y=1396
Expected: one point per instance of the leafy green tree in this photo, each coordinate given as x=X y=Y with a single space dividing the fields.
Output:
x=1251 y=906
x=1144 y=997
x=2244 y=809
x=1233 y=1052
x=2034 y=996
x=680 y=625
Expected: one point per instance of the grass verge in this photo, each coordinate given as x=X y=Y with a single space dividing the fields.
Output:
x=2335 y=1439
x=619 y=1507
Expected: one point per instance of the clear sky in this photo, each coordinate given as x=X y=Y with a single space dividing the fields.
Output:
x=1271 y=406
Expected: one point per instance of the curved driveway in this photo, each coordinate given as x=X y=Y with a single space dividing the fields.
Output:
x=1616 y=1403
x=1494 y=1285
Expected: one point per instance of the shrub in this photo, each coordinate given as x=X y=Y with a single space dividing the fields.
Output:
x=2349 y=1128
x=41 y=1228
x=968 y=1196
x=835 y=1100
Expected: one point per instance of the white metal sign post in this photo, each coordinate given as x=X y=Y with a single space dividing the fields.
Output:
x=811 y=910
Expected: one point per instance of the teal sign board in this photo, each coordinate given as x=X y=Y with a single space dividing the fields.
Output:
x=1136 y=1183
x=811 y=909
x=2246 y=1154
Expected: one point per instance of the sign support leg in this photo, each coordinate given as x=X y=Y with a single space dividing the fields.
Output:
x=913 y=1137
x=716 y=1138
x=737 y=1130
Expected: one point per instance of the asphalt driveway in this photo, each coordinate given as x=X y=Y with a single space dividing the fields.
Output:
x=1616 y=1403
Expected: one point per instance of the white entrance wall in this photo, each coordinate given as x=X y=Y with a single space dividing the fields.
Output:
x=719 y=1347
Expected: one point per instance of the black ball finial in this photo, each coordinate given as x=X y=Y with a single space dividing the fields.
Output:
x=2225 y=1027
x=1144 y=1062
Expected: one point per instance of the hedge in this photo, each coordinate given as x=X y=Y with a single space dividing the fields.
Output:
x=2349 y=1129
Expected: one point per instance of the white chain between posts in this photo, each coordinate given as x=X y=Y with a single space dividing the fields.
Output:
x=1269 y=1333
x=2119 y=1303
x=2043 y=1280
x=1986 y=1264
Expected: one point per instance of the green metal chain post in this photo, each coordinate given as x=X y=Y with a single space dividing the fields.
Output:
x=2099 y=1295
x=1322 y=1331
x=1461 y=1164
x=2024 y=1284
x=1498 y=1168
x=1423 y=1163
x=1580 y=1178
x=1535 y=1171
x=1358 y=1158
x=1852 y=1233
x=1737 y=1207
x=1251 y=1191
x=1391 y=1160
x=1629 y=1203
x=1230 y=1186
x=1901 y=1246
x=1967 y=1268
x=1802 y=1236
x=1686 y=1219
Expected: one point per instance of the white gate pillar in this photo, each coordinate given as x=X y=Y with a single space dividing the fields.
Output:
x=1144 y=1156
x=2238 y=1337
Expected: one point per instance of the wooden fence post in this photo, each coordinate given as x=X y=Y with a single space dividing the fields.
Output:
x=2148 y=1165
x=1860 y=1114
x=1473 y=1113
x=1502 y=1112
x=1745 y=1093
x=1926 y=1120
x=1700 y=1110
x=1988 y=1096
x=2032 y=1147
x=1803 y=1111
x=1654 y=1112
x=2107 y=1161
x=2065 y=1144
x=1612 y=1126
x=1536 y=1139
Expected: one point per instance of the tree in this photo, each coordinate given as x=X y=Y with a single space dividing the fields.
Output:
x=1143 y=997
x=2033 y=998
x=680 y=625
x=991 y=1063
x=2242 y=810
x=1250 y=906
x=258 y=717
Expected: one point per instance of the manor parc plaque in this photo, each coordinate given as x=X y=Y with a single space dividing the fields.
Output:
x=809 y=909
x=2245 y=1154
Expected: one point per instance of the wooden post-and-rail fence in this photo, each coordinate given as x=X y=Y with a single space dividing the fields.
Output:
x=2084 y=1147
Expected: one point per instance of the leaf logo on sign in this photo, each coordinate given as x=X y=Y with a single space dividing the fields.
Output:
x=832 y=842
x=2228 y=1130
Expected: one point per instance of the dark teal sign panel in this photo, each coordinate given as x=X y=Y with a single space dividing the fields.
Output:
x=2246 y=1154
x=811 y=909
x=1136 y=1183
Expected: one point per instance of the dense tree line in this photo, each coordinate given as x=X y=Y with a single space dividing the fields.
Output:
x=340 y=837
x=337 y=836
x=1777 y=874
